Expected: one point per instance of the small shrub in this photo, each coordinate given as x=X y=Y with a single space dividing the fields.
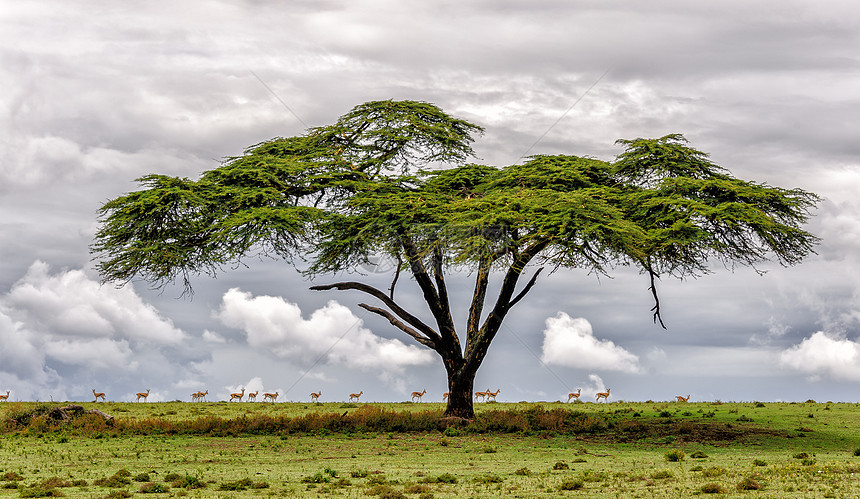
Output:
x=141 y=477
x=759 y=405
x=665 y=414
x=594 y=476
x=170 y=477
x=11 y=476
x=750 y=483
x=759 y=462
x=118 y=494
x=662 y=474
x=384 y=492
x=571 y=484
x=698 y=455
x=713 y=488
x=675 y=455
x=317 y=478
x=443 y=478
x=451 y=432
x=857 y=452
x=119 y=479
x=154 y=488
x=416 y=489
x=807 y=462
x=358 y=473
x=488 y=478
x=247 y=483
x=523 y=472
x=377 y=480
x=696 y=468
x=561 y=465
x=801 y=455
x=713 y=471
x=188 y=482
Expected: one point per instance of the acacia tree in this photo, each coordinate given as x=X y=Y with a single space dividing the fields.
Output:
x=392 y=178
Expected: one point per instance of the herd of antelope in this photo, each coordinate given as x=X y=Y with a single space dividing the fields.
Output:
x=486 y=396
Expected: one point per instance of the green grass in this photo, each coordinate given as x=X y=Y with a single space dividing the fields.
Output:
x=775 y=449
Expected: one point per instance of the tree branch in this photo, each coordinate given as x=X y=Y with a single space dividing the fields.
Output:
x=400 y=312
x=478 y=297
x=526 y=289
x=403 y=327
x=656 y=307
x=396 y=276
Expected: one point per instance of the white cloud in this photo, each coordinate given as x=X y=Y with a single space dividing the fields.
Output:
x=570 y=342
x=272 y=324
x=69 y=304
x=822 y=355
x=212 y=337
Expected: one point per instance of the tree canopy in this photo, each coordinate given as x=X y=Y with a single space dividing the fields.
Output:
x=393 y=178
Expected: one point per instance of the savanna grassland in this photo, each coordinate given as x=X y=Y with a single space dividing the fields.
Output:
x=619 y=449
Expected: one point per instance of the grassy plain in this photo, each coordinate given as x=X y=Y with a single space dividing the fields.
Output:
x=632 y=449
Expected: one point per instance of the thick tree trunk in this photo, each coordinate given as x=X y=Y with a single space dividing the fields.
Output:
x=460 y=387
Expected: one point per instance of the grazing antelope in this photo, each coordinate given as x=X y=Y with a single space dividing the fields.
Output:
x=418 y=395
x=5 y=398
x=198 y=396
x=602 y=395
x=491 y=395
x=253 y=395
x=353 y=397
x=574 y=395
x=268 y=396
x=143 y=395
x=315 y=396
x=445 y=396
x=99 y=395
x=234 y=396
x=682 y=399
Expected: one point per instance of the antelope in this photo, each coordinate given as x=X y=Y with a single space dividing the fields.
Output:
x=602 y=395
x=418 y=395
x=253 y=395
x=199 y=395
x=315 y=396
x=353 y=397
x=481 y=394
x=574 y=395
x=5 y=398
x=682 y=399
x=491 y=395
x=234 y=396
x=272 y=396
x=99 y=395
x=445 y=396
x=143 y=395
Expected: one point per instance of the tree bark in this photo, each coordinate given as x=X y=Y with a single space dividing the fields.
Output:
x=460 y=387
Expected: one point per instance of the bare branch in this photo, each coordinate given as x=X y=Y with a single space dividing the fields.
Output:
x=526 y=289
x=398 y=324
x=399 y=311
x=656 y=307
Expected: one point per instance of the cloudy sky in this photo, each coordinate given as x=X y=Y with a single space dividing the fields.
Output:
x=96 y=94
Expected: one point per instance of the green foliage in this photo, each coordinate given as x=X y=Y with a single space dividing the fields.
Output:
x=675 y=455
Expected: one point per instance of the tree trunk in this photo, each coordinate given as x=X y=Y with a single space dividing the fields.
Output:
x=460 y=386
